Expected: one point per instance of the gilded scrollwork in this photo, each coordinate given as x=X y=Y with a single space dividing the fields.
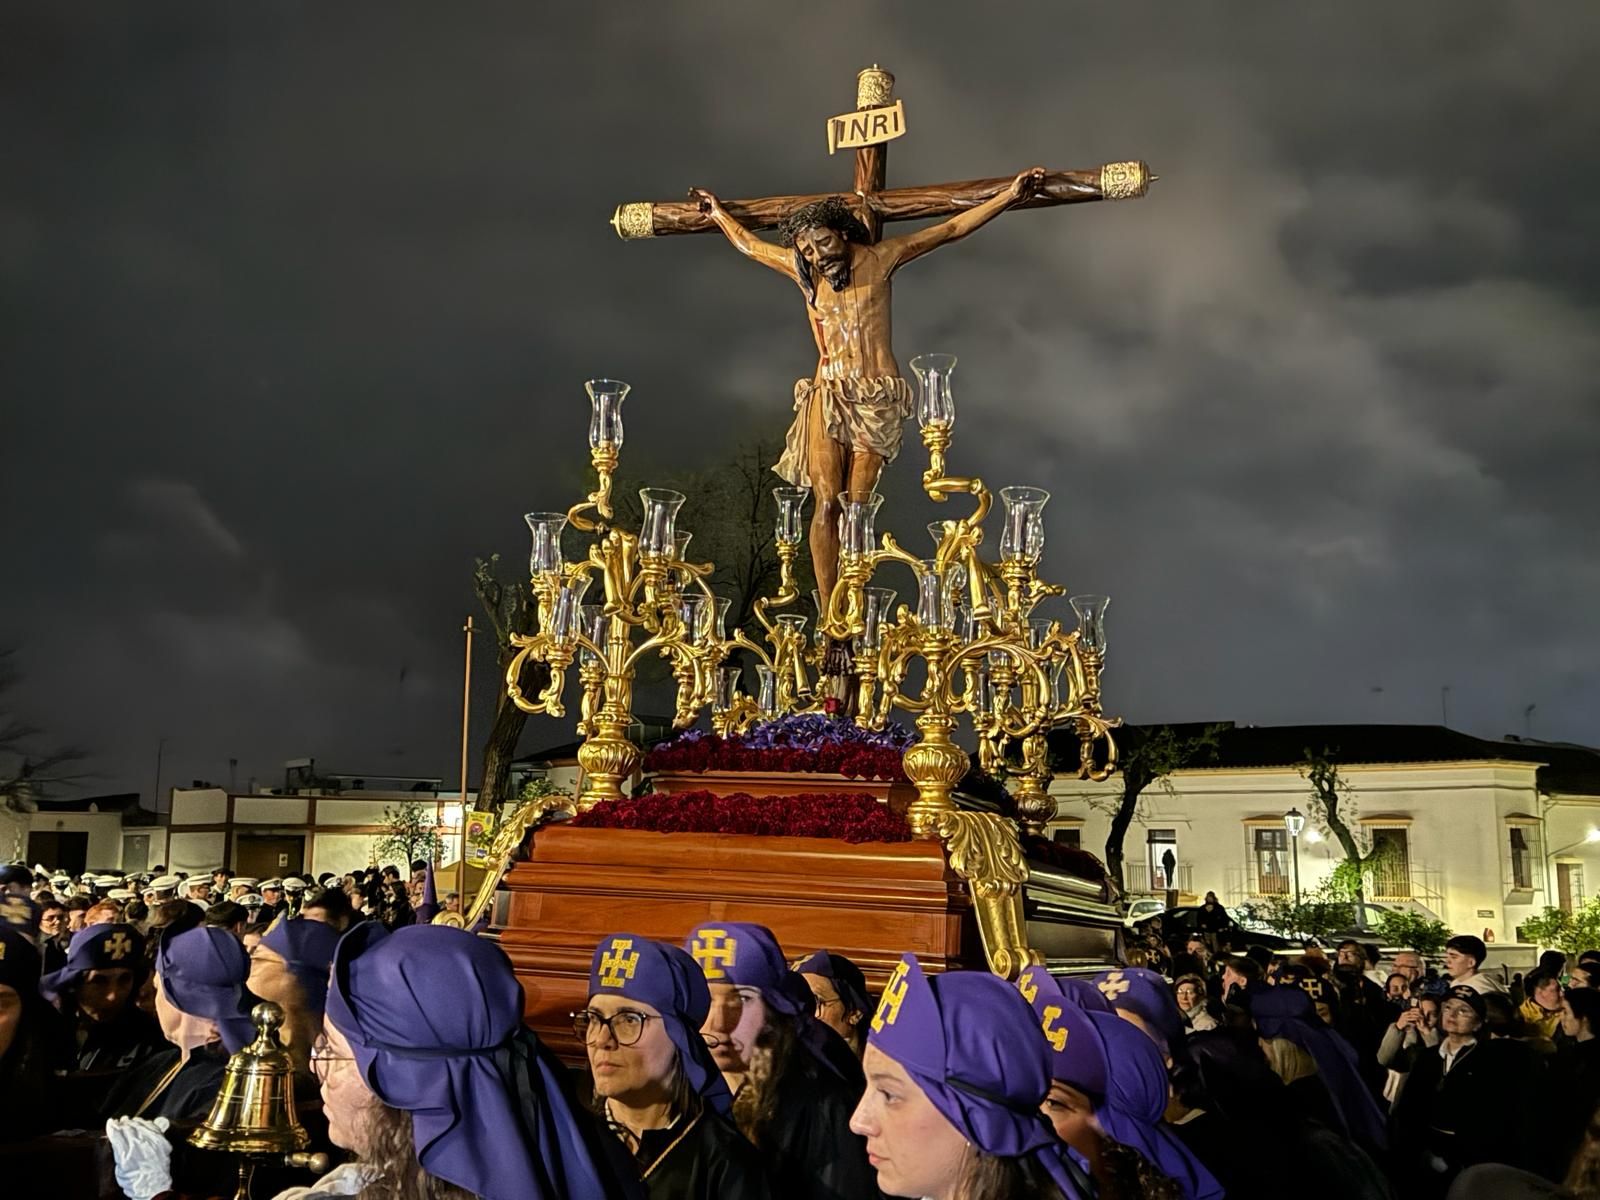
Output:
x=508 y=839
x=983 y=849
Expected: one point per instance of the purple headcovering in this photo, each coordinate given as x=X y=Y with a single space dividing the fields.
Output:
x=669 y=981
x=972 y=1043
x=1288 y=1012
x=847 y=978
x=1136 y=1103
x=434 y=1017
x=19 y=963
x=1084 y=994
x=1147 y=995
x=306 y=948
x=1078 y=1053
x=99 y=947
x=747 y=955
x=1120 y=1069
x=429 y=908
x=203 y=971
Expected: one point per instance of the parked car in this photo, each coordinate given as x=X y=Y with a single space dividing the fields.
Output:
x=1140 y=911
x=1178 y=923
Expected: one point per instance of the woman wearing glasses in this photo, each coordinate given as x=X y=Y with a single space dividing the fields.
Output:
x=843 y=1003
x=655 y=1084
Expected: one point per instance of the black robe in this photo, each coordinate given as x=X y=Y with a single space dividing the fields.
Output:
x=707 y=1160
x=187 y=1097
x=810 y=1151
x=117 y=1044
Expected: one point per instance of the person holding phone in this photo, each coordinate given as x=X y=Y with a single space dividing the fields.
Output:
x=1414 y=1031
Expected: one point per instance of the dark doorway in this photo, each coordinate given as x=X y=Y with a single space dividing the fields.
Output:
x=269 y=855
x=60 y=851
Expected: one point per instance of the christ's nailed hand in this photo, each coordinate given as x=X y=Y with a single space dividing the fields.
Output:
x=708 y=203
x=1027 y=183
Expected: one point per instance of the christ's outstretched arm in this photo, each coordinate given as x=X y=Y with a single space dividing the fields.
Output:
x=747 y=243
x=915 y=245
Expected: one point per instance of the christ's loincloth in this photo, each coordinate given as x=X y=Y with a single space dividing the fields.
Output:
x=864 y=414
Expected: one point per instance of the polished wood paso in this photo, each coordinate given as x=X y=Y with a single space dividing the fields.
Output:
x=871 y=901
x=782 y=783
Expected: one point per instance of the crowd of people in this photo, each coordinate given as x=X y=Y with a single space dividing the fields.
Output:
x=719 y=1066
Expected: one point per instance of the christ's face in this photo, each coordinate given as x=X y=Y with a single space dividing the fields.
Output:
x=826 y=253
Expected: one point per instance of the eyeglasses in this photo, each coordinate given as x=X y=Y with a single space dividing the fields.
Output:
x=822 y=1003
x=322 y=1054
x=625 y=1025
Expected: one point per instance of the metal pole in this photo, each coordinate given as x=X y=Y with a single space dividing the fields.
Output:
x=466 y=714
x=1294 y=849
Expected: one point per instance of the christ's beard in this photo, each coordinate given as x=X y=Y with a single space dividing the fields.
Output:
x=837 y=272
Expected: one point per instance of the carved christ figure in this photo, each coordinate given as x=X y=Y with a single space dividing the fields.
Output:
x=848 y=416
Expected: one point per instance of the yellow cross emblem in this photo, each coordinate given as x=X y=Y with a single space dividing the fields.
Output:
x=118 y=946
x=1028 y=988
x=1113 y=985
x=618 y=963
x=1056 y=1037
x=894 y=995
x=2 y=949
x=1311 y=986
x=715 y=951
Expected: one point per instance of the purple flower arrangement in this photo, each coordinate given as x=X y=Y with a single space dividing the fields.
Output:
x=807 y=742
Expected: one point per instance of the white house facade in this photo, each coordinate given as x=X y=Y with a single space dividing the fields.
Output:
x=1484 y=834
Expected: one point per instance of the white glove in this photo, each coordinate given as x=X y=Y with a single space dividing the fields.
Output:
x=143 y=1155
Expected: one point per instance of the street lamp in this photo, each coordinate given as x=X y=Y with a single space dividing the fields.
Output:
x=1294 y=823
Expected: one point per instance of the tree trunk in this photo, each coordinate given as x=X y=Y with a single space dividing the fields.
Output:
x=1134 y=782
x=500 y=750
x=1347 y=842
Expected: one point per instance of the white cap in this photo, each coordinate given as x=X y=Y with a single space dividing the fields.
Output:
x=162 y=883
x=60 y=877
x=272 y=883
x=294 y=885
x=251 y=900
x=107 y=881
x=119 y=894
x=195 y=881
x=243 y=881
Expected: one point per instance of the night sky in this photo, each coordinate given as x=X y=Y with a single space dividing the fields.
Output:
x=299 y=299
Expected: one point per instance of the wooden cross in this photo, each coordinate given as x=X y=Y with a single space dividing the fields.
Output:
x=873 y=202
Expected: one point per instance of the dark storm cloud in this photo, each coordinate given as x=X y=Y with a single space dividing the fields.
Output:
x=299 y=301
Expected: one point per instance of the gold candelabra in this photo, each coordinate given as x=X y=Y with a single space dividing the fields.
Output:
x=983 y=652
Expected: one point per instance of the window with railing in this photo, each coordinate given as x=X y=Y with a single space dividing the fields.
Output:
x=1391 y=863
x=1569 y=886
x=1270 y=858
x=1522 y=857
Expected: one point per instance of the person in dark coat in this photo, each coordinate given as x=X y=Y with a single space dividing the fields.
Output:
x=96 y=991
x=204 y=1007
x=1461 y=1104
x=794 y=1080
x=658 y=1089
x=32 y=1046
x=1227 y=1104
x=1574 y=1078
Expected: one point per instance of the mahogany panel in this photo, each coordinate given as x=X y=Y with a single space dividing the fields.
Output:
x=872 y=902
x=781 y=783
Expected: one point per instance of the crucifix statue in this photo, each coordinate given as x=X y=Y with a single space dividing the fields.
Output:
x=849 y=414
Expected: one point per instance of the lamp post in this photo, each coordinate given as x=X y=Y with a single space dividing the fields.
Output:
x=1294 y=823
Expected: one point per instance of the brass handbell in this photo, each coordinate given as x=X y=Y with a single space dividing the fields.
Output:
x=254 y=1110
